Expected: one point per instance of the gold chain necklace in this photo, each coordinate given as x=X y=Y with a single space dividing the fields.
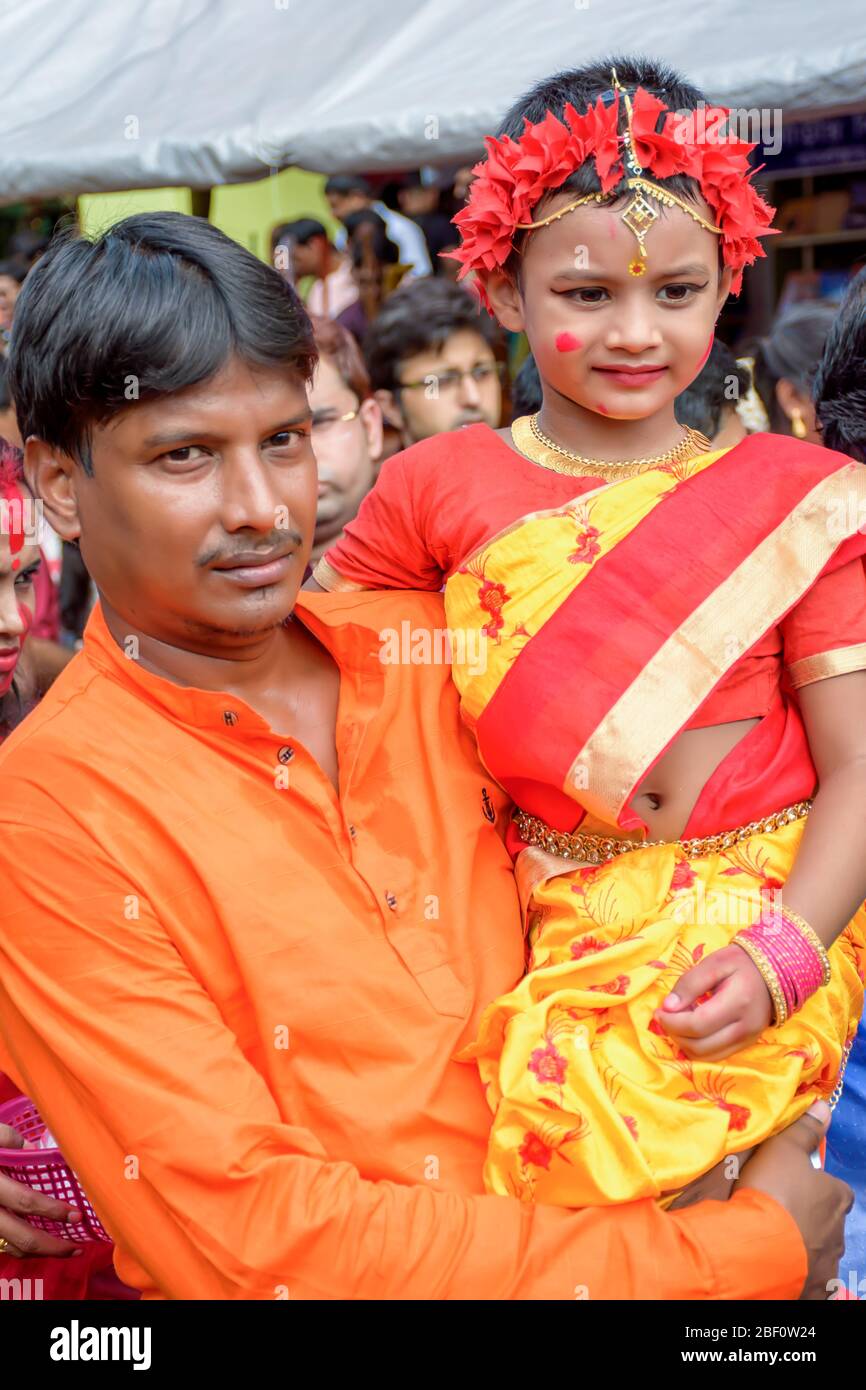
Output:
x=538 y=448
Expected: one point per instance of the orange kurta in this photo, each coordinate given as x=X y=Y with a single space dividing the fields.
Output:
x=237 y=997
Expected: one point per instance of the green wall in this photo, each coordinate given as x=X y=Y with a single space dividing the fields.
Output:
x=245 y=211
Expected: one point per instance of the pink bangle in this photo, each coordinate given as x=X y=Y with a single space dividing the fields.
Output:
x=795 y=954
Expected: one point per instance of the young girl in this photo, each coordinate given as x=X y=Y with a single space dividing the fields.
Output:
x=676 y=655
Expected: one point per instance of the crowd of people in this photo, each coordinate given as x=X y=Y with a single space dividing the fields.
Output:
x=224 y=817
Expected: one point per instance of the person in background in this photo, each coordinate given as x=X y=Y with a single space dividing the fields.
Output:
x=12 y=273
x=419 y=197
x=376 y=269
x=8 y=423
x=348 y=193
x=526 y=389
x=431 y=361
x=840 y=381
x=709 y=404
x=783 y=367
x=347 y=431
x=840 y=407
x=308 y=252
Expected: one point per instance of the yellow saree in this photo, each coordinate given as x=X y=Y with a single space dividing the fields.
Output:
x=608 y=624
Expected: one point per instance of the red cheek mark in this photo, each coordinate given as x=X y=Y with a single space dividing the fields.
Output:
x=566 y=342
x=708 y=351
x=603 y=410
x=26 y=617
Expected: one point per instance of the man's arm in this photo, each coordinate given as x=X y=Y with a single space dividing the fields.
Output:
x=212 y=1194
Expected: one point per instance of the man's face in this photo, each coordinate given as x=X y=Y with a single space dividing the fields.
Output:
x=198 y=519
x=307 y=257
x=343 y=204
x=9 y=290
x=346 y=450
x=444 y=388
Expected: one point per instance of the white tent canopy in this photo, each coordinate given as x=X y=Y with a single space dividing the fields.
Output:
x=116 y=94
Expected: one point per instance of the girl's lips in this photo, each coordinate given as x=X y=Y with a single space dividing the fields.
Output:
x=624 y=376
x=9 y=660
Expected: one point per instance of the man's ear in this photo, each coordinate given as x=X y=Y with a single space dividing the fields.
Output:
x=54 y=478
x=390 y=409
x=506 y=300
x=370 y=412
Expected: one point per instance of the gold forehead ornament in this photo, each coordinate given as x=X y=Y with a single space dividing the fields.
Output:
x=639 y=214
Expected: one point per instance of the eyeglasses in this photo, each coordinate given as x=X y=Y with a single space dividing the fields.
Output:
x=322 y=423
x=438 y=382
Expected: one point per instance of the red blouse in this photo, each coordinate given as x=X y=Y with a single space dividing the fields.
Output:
x=437 y=502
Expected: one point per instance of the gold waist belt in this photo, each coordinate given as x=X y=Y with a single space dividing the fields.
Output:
x=598 y=849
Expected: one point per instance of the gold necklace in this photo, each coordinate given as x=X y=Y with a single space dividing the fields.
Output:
x=539 y=448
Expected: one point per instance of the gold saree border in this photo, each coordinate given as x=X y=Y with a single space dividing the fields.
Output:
x=840 y=662
x=765 y=585
x=331 y=580
x=534 y=866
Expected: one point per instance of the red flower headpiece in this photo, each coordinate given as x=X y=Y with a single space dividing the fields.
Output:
x=511 y=181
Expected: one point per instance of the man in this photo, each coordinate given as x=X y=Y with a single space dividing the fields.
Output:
x=255 y=893
x=347 y=432
x=307 y=251
x=431 y=362
x=348 y=193
x=418 y=196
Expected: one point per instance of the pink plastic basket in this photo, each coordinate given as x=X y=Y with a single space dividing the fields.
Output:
x=45 y=1170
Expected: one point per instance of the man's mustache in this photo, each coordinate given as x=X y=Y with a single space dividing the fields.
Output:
x=278 y=543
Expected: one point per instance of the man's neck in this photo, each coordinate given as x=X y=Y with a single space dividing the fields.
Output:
x=242 y=666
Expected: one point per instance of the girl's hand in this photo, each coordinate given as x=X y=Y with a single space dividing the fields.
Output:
x=17 y=1201
x=736 y=1012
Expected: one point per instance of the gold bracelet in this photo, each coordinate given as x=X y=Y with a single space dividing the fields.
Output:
x=811 y=936
x=769 y=976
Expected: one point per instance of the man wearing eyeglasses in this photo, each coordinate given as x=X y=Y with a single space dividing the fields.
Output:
x=431 y=361
x=347 y=432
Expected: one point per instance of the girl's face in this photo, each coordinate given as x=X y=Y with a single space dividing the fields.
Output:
x=613 y=343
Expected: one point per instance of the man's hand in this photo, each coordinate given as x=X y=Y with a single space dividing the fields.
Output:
x=818 y=1203
x=736 y=1013
x=17 y=1201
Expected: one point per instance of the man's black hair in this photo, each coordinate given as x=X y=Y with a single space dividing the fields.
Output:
x=156 y=304
x=348 y=183
x=582 y=87
x=419 y=317
x=840 y=381
x=14 y=268
x=717 y=387
x=384 y=249
x=301 y=231
x=5 y=393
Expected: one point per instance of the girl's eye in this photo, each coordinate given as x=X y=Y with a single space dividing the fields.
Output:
x=676 y=294
x=26 y=577
x=593 y=294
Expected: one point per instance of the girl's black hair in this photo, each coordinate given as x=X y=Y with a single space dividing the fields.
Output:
x=582 y=87
x=156 y=304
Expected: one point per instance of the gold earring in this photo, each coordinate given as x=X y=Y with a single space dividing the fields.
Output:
x=798 y=425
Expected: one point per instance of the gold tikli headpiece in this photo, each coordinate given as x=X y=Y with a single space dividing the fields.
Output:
x=639 y=214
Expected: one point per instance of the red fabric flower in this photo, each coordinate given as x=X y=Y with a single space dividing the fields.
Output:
x=548 y=1065
x=533 y=1150
x=587 y=946
x=587 y=547
x=618 y=986
x=738 y=1115
x=512 y=181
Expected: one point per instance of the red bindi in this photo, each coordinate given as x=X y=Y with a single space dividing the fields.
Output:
x=566 y=342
